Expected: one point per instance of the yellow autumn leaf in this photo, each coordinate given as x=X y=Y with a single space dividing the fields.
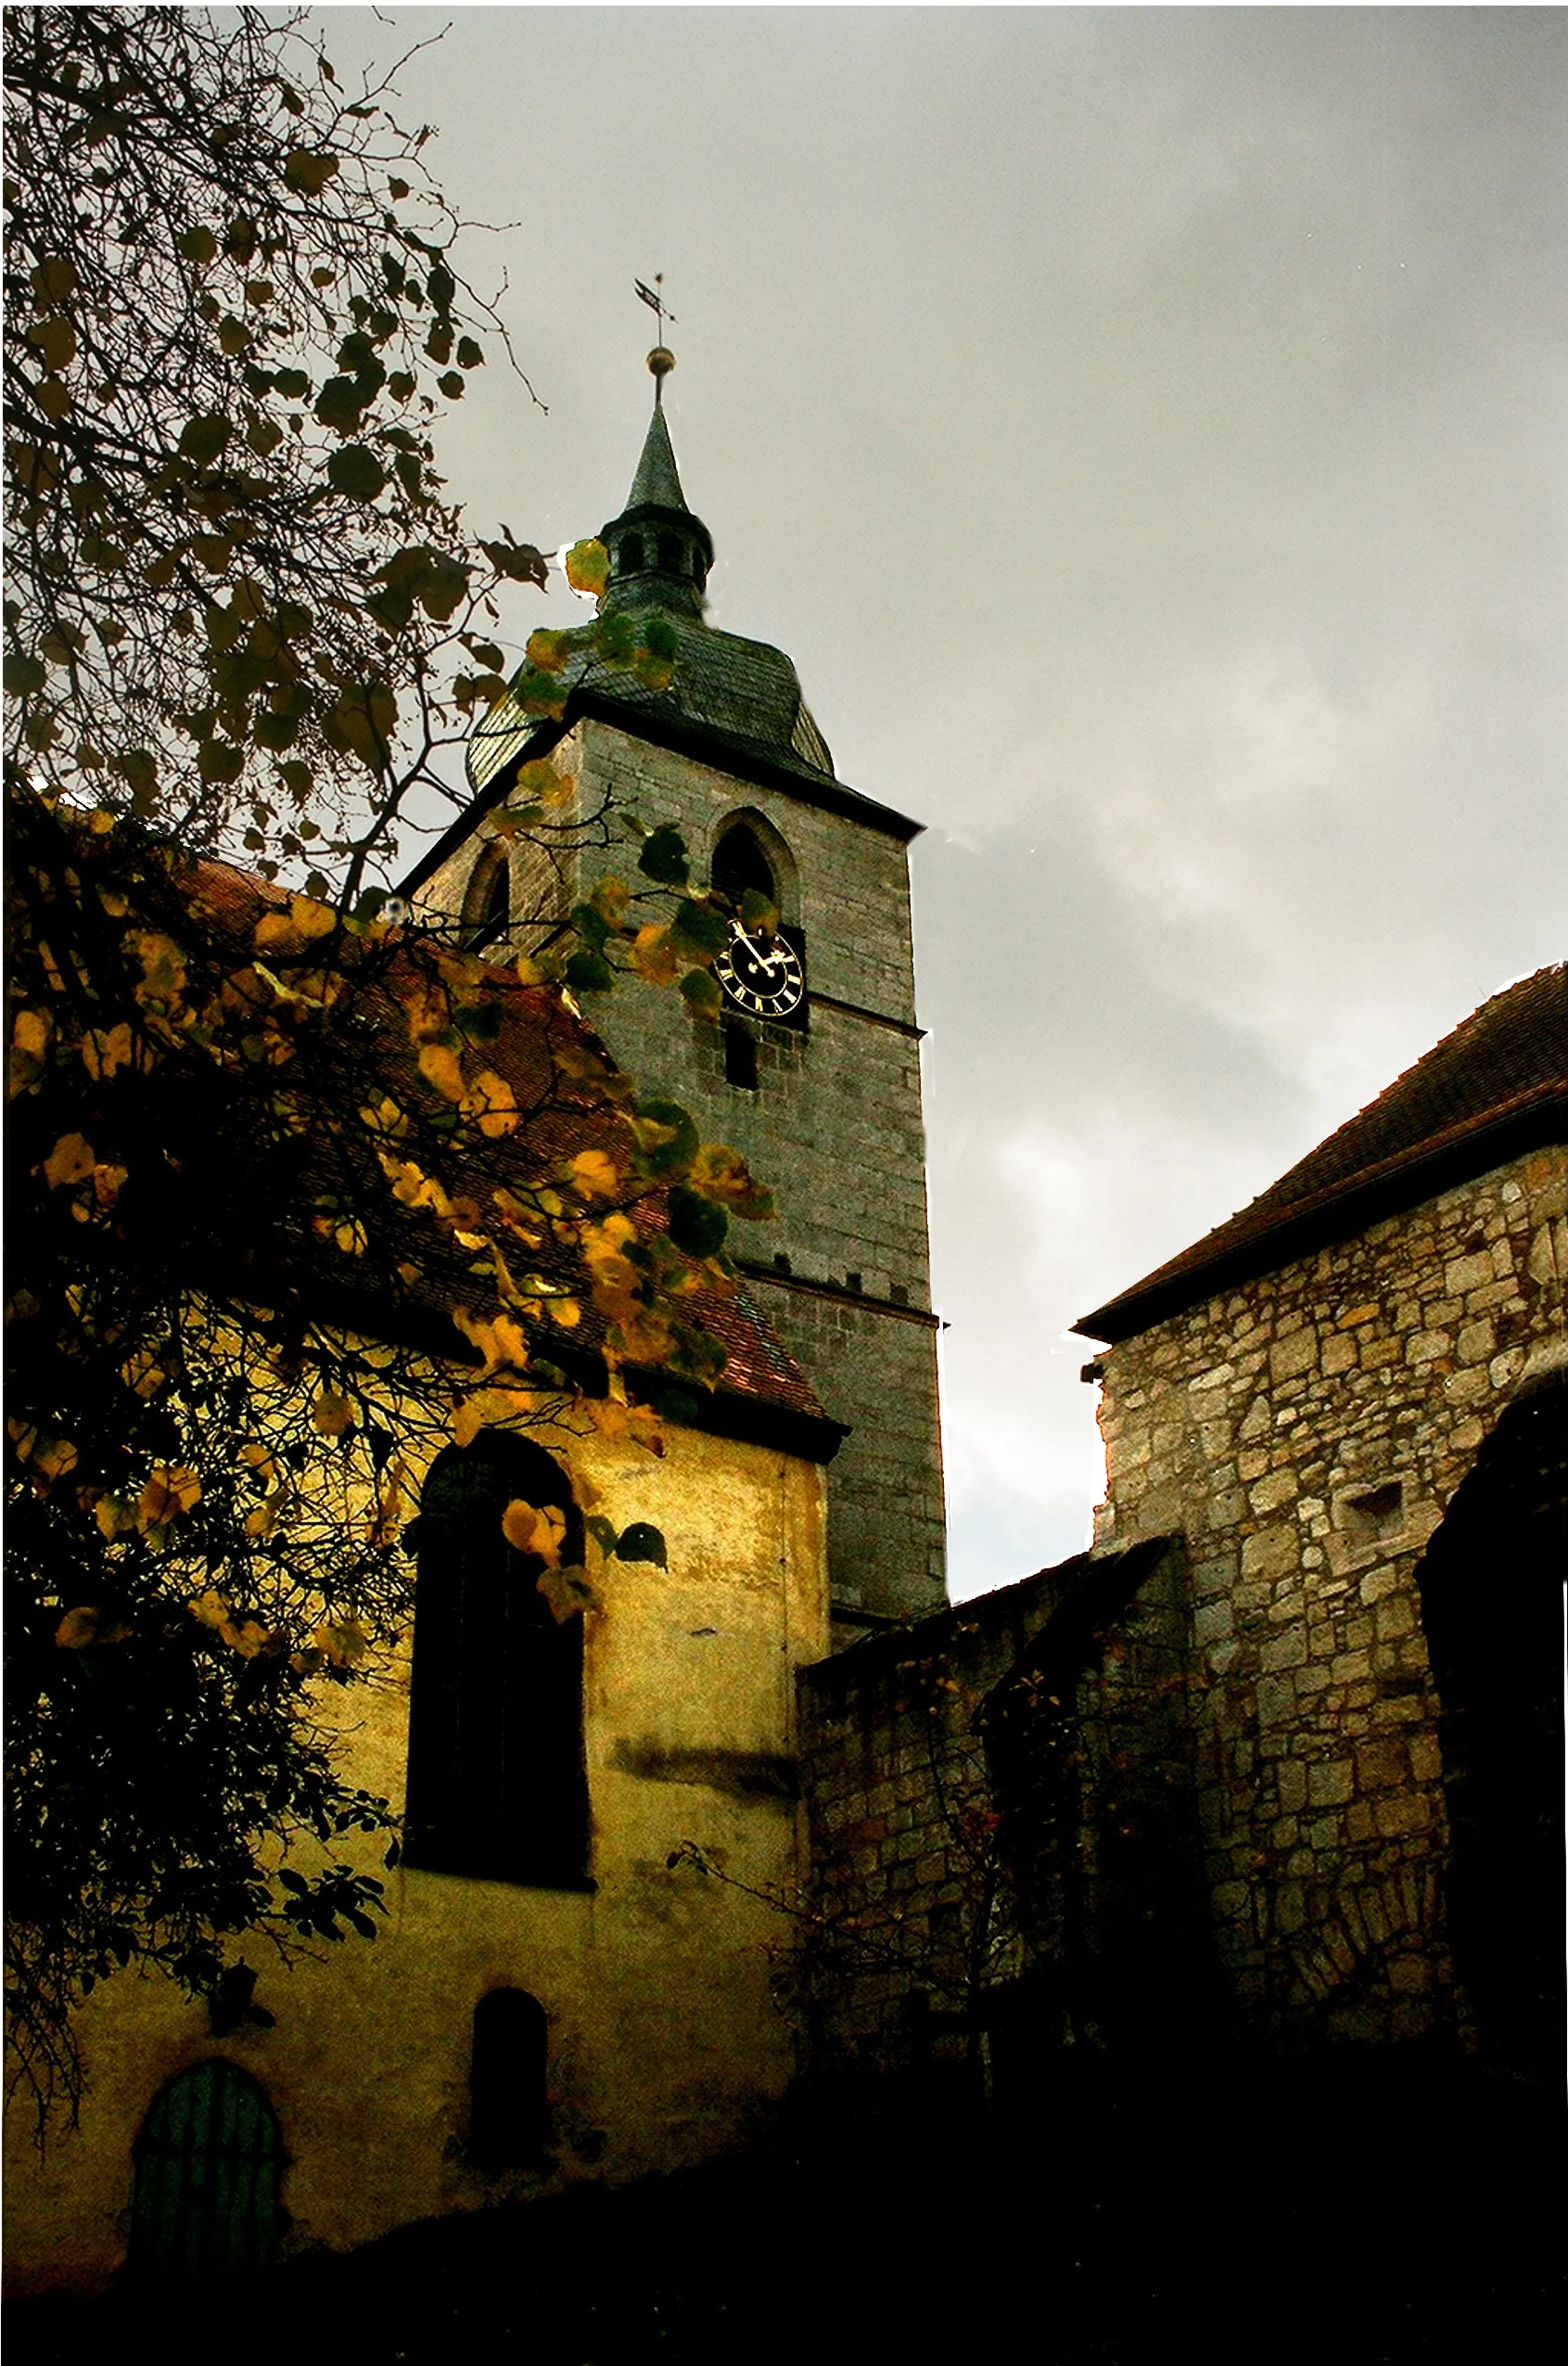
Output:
x=86 y=1625
x=107 y=1049
x=540 y=1532
x=304 y=920
x=439 y=1066
x=163 y=965
x=653 y=956
x=144 y=1372
x=568 y=1592
x=166 y=1494
x=342 y=1641
x=71 y=1159
x=114 y=1515
x=51 y=1457
x=492 y=1103
x=621 y=1424
x=595 y=1172
x=565 y=1312
x=29 y=1043
x=209 y=1609
x=332 y=1413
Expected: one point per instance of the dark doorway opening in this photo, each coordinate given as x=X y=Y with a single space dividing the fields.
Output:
x=1491 y=1592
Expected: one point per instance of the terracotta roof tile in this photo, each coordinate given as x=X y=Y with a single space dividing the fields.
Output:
x=1495 y=1087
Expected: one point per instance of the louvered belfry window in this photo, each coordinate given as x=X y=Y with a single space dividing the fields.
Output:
x=496 y=1781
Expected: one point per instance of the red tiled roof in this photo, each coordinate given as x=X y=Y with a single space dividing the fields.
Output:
x=761 y=1392
x=1497 y=1086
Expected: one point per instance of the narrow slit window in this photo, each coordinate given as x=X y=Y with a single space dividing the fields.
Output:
x=740 y=1056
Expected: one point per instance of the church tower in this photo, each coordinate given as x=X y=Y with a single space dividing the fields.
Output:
x=812 y=1069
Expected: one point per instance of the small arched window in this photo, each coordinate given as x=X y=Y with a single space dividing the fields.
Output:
x=209 y=2169
x=631 y=553
x=496 y=1781
x=670 y=556
x=509 y=2118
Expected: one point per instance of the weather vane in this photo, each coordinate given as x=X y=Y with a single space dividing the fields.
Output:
x=654 y=299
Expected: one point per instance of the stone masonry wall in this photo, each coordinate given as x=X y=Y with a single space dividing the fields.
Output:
x=1001 y=1827
x=1306 y=1432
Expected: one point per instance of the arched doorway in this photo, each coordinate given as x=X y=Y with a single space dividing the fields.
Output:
x=1491 y=1591
x=209 y=2172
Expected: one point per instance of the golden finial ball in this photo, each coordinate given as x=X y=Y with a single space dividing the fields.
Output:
x=661 y=361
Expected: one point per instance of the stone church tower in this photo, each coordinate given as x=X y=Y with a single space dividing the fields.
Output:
x=812 y=1071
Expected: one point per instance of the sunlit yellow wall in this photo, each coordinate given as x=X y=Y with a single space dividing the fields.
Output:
x=664 y=2038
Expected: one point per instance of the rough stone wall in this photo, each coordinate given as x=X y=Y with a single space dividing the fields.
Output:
x=897 y=1791
x=1306 y=1432
x=1002 y=1825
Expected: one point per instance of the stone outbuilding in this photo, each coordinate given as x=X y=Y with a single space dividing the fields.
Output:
x=1286 y=1747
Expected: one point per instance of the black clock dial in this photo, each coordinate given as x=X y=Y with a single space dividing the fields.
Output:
x=760 y=974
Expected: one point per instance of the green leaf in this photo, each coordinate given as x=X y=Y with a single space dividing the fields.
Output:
x=700 y=990
x=667 y=1136
x=698 y=931
x=588 y=567
x=355 y=469
x=642 y=1541
x=697 y=1226
x=469 y=356
x=451 y=383
x=589 y=973
x=664 y=857
x=24 y=674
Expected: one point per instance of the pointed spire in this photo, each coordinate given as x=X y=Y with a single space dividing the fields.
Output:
x=658 y=480
x=659 y=552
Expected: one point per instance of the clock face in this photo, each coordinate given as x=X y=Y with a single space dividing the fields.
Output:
x=761 y=974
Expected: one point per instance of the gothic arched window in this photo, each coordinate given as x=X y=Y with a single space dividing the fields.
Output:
x=486 y=907
x=496 y=1781
x=669 y=554
x=739 y=863
x=631 y=553
x=208 y=2168
x=509 y=2115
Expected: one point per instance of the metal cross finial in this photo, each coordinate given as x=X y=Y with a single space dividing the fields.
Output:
x=654 y=299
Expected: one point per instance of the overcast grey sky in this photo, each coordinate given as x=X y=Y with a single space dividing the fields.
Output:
x=1144 y=430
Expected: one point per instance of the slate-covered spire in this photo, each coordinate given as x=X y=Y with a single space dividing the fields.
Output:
x=659 y=552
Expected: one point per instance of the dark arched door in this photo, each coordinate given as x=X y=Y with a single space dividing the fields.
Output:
x=208 y=2170
x=1491 y=1589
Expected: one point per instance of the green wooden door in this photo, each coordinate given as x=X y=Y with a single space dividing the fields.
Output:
x=209 y=2166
